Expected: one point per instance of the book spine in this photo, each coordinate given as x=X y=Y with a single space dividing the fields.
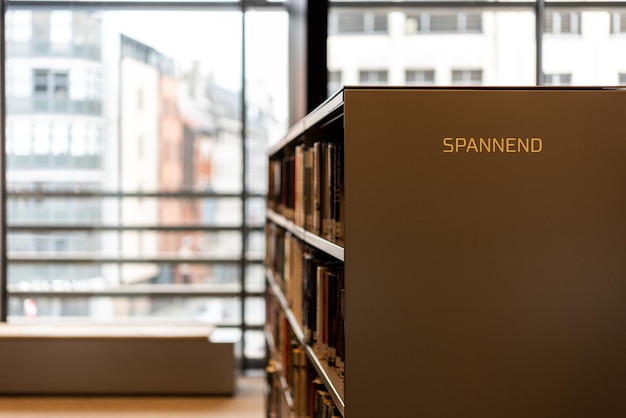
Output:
x=317 y=190
x=325 y=192
x=308 y=189
x=338 y=198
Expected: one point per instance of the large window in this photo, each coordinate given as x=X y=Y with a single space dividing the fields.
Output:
x=136 y=157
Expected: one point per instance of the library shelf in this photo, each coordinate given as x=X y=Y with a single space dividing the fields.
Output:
x=329 y=377
x=275 y=366
x=310 y=238
x=481 y=254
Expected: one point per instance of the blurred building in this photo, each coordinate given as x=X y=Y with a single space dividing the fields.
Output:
x=474 y=47
x=55 y=130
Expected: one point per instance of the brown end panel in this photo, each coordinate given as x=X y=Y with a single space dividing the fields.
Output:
x=482 y=283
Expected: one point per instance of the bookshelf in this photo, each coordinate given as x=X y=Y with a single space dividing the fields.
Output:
x=476 y=257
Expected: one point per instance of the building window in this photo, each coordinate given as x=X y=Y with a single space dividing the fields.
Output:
x=618 y=22
x=373 y=77
x=461 y=22
x=46 y=81
x=563 y=23
x=40 y=80
x=467 y=77
x=358 y=23
x=420 y=77
x=558 y=80
x=61 y=85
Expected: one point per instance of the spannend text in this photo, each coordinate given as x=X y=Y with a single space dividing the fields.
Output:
x=497 y=145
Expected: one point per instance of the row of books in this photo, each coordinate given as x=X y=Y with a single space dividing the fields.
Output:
x=307 y=188
x=276 y=404
x=309 y=397
x=314 y=288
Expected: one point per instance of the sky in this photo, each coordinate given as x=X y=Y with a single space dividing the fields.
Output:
x=214 y=39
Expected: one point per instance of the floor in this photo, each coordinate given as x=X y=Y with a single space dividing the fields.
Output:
x=248 y=402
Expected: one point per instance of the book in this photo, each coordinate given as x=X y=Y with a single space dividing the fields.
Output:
x=318 y=179
x=308 y=189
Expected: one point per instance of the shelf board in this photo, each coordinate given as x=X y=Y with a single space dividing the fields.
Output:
x=324 y=110
x=331 y=379
x=324 y=245
x=310 y=238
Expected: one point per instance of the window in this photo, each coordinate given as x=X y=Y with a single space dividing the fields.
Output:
x=622 y=78
x=562 y=23
x=50 y=90
x=618 y=22
x=40 y=78
x=467 y=77
x=420 y=77
x=85 y=85
x=444 y=22
x=61 y=85
x=358 y=23
x=373 y=77
x=558 y=79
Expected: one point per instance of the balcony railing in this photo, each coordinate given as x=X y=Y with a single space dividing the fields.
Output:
x=29 y=105
x=95 y=280
x=49 y=49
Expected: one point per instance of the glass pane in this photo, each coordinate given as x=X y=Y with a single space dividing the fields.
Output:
x=131 y=244
x=219 y=311
x=255 y=311
x=266 y=91
x=498 y=46
x=97 y=106
x=255 y=344
x=255 y=278
x=590 y=55
x=26 y=207
x=256 y=212
x=101 y=104
x=350 y=23
x=63 y=276
x=440 y=22
x=256 y=245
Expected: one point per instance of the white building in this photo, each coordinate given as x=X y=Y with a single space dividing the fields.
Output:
x=474 y=47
